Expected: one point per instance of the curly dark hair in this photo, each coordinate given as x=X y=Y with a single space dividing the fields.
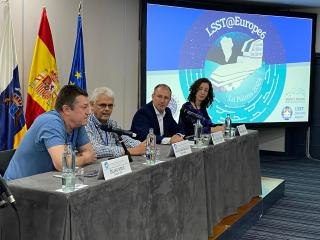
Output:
x=194 y=89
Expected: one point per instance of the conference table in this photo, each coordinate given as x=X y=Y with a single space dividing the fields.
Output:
x=179 y=198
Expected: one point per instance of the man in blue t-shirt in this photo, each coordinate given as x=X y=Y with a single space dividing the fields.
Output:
x=42 y=146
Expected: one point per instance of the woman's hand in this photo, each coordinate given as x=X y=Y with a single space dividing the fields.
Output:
x=217 y=128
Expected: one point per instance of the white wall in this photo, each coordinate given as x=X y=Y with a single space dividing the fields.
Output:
x=110 y=29
x=111 y=41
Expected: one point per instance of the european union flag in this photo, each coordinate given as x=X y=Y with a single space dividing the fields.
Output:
x=77 y=74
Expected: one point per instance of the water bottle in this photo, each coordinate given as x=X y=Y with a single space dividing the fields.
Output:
x=68 y=169
x=227 y=125
x=198 y=133
x=151 y=148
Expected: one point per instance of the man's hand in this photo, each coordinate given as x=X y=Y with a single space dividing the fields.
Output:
x=176 y=138
x=138 y=150
x=88 y=157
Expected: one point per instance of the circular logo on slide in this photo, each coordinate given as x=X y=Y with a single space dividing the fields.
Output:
x=247 y=70
x=173 y=104
x=286 y=113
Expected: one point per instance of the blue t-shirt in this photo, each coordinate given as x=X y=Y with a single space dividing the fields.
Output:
x=32 y=156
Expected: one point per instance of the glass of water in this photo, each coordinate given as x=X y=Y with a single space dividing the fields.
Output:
x=80 y=176
x=206 y=139
x=158 y=153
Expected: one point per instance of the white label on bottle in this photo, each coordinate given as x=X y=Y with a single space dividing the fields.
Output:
x=180 y=148
x=242 y=129
x=116 y=167
x=217 y=137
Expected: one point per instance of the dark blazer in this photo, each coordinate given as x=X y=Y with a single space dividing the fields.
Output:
x=146 y=118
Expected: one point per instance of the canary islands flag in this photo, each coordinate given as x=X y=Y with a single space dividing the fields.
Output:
x=43 y=86
x=77 y=74
x=12 y=121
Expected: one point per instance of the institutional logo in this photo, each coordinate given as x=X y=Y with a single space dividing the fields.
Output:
x=15 y=105
x=106 y=165
x=173 y=104
x=235 y=53
x=286 y=113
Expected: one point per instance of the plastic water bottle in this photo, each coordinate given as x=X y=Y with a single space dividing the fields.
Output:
x=151 y=148
x=198 y=133
x=68 y=169
x=227 y=125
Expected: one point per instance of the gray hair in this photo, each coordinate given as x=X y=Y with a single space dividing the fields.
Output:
x=101 y=91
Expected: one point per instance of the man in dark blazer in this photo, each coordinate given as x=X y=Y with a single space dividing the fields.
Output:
x=158 y=116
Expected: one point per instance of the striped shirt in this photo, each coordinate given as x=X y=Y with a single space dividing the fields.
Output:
x=106 y=144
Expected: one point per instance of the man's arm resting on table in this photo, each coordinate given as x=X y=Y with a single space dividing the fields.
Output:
x=138 y=150
x=176 y=138
x=85 y=155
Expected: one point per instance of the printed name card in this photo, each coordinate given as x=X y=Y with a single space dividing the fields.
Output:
x=180 y=149
x=242 y=129
x=116 y=167
x=217 y=137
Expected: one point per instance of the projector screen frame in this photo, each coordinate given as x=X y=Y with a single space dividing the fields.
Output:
x=237 y=9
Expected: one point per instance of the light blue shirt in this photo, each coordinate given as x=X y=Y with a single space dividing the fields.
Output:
x=32 y=156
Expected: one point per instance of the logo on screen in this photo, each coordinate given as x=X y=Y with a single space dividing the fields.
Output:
x=286 y=113
x=173 y=104
x=247 y=72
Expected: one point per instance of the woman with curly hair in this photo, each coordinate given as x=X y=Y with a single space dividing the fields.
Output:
x=200 y=98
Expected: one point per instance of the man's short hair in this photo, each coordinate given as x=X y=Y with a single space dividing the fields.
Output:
x=67 y=96
x=163 y=86
x=101 y=91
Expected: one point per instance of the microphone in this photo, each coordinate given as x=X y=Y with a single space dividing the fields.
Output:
x=194 y=115
x=4 y=187
x=118 y=131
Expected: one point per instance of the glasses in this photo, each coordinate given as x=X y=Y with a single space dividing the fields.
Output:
x=106 y=106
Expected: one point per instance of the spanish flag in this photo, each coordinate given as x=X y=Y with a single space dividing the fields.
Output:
x=43 y=86
x=12 y=127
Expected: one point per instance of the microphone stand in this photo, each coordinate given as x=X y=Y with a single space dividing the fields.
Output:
x=3 y=203
x=125 y=148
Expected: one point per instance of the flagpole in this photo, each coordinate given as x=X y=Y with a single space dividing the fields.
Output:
x=79 y=9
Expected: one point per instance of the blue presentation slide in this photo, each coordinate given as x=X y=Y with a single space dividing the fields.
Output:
x=259 y=65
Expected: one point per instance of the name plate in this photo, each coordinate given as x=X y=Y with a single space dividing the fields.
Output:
x=242 y=130
x=217 y=137
x=116 y=167
x=180 y=149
